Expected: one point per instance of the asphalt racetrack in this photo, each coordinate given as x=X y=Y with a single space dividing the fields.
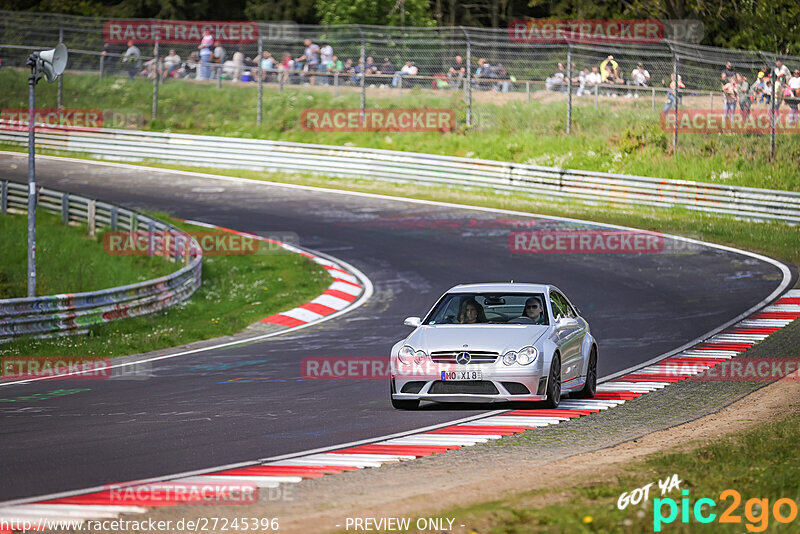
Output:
x=195 y=413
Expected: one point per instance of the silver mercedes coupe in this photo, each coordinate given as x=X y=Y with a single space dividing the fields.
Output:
x=493 y=343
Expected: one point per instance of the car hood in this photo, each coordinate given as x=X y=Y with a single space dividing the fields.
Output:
x=495 y=338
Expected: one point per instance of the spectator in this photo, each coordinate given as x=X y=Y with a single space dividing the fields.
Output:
x=336 y=64
x=409 y=69
x=557 y=80
x=310 y=58
x=792 y=94
x=607 y=68
x=172 y=62
x=744 y=95
x=267 y=66
x=582 y=77
x=671 y=92
x=286 y=66
x=727 y=74
x=794 y=83
x=758 y=88
x=205 y=47
x=782 y=75
x=593 y=79
x=639 y=77
x=731 y=92
x=190 y=66
x=371 y=69
x=456 y=72
x=106 y=63
x=238 y=65
x=504 y=79
x=325 y=60
x=218 y=59
x=133 y=59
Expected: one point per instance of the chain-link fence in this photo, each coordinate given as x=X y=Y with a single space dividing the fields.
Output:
x=482 y=67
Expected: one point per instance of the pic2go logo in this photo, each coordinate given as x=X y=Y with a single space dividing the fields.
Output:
x=756 y=511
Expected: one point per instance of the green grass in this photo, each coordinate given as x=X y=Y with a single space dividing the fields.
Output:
x=769 y=449
x=237 y=291
x=68 y=260
x=623 y=136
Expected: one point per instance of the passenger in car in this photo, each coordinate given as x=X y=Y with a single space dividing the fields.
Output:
x=534 y=311
x=471 y=312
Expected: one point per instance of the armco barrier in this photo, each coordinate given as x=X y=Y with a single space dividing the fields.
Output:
x=72 y=313
x=352 y=162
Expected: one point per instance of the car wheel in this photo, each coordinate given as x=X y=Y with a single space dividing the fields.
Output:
x=405 y=404
x=590 y=387
x=554 y=384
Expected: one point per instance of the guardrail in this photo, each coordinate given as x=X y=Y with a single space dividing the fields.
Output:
x=73 y=313
x=227 y=152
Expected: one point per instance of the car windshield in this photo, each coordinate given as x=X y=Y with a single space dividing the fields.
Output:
x=489 y=308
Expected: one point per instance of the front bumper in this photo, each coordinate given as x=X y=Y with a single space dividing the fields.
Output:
x=496 y=385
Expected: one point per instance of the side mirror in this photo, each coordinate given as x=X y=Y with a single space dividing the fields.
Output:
x=565 y=323
x=413 y=322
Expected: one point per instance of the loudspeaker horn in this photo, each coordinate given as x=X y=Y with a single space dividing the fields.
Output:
x=54 y=62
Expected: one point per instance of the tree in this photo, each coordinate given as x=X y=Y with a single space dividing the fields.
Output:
x=376 y=12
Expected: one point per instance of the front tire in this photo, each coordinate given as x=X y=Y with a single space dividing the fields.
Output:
x=554 y=384
x=590 y=387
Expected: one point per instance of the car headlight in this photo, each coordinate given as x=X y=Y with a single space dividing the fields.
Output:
x=527 y=355
x=420 y=357
x=510 y=357
x=405 y=355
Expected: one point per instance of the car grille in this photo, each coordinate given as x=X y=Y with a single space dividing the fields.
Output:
x=473 y=387
x=477 y=356
x=412 y=387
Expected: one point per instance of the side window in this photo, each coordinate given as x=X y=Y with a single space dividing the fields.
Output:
x=558 y=305
x=567 y=306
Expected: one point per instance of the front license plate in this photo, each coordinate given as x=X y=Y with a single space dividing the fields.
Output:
x=461 y=375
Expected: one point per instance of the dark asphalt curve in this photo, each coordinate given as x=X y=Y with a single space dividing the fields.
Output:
x=196 y=412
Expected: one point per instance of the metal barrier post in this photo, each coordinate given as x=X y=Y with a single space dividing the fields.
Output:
x=773 y=108
x=219 y=77
x=336 y=83
x=596 y=91
x=527 y=92
x=64 y=208
x=711 y=101
x=114 y=216
x=280 y=81
x=155 y=81
x=569 y=86
x=134 y=221
x=32 y=79
x=260 y=81
x=91 y=212
x=4 y=197
x=653 y=101
x=102 y=65
x=151 y=229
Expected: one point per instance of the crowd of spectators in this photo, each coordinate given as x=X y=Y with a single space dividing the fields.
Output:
x=318 y=64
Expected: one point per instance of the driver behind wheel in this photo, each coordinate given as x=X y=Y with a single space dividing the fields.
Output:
x=471 y=312
x=534 y=311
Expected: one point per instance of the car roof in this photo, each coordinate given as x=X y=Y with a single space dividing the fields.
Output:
x=497 y=287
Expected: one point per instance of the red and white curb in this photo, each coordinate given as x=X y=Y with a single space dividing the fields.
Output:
x=347 y=286
x=270 y=474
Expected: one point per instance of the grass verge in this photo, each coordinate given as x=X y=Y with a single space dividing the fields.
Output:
x=237 y=291
x=68 y=260
x=622 y=135
x=705 y=472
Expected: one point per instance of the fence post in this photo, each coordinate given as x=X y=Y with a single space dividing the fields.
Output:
x=114 y=218
x=280 y=81
x=102 y=66
x=469 y=76
x=711 y=101
x=134 y=221
x=3 y=197
x=64 y=208
x=596 y=91
x=653 y=101
x=155 y=81
x=677 y=99
x=336 y=83
x=364 y=76
x=219 y=77
x=527 y=91
x=569 y=86
x=60 y=78
x=151 y=229
x=260 y=81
